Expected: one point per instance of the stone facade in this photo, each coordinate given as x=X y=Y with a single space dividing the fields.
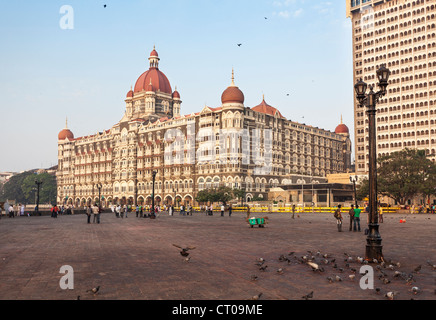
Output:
x=231 y=145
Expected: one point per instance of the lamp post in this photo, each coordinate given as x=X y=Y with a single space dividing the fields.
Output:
x=369 y=100
x=353 y=179
x=98 y=186
x=38 y=185
x=152 y=214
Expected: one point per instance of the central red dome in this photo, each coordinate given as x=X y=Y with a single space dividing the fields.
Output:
x=153 y=79
x=158 y=80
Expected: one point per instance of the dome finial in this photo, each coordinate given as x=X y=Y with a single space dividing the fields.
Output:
x=233 y=77
x=341 y=119
x=66 y=122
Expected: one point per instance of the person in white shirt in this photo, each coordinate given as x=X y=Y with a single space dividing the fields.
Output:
x=222 y=210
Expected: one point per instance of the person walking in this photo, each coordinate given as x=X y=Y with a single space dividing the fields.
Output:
x=88 y=213
x=351 y=214
x=11 y=212
x=230 y=210
x=94 y=210
x=222 y=210
x=170 y=210
x=248 y=212
x=99 y=211
x=137 y=211
x=338 y=217
x=357 y=212
x=126 y=210
x=381 y=214
x=293 y=211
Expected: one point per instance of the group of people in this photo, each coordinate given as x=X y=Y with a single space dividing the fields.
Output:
x=354 y=215
x=95 y=211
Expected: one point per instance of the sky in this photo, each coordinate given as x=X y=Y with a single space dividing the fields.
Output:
x=80 y=62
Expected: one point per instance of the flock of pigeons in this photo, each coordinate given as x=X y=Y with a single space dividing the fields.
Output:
x=386 y=271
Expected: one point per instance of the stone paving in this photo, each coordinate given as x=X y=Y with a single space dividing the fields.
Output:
x=134 y=258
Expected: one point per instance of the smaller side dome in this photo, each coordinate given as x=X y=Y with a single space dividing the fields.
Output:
x=66 y=133
x=342 y=128
x=130 y=94
x=176 y=94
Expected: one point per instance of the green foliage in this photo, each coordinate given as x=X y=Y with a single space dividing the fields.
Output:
x=22 y=188
x=403 y=175
x=221 y=194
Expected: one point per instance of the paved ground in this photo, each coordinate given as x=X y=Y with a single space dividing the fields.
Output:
x=134 y=259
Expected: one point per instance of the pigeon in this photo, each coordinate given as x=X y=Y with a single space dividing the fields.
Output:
x=187 y=259
x=330 y=279
x=280 y=271
x=415 y=290
x=386 y=281
x=390 y=267
x=184 y=251
x=338 y=278
x=254 y=277
x=263 y=268
x=341 y=270
x=291 y=253
x=433 y=266
x=391 y=294
x=94 y=290
x=256 y=297
x=377 y=290
x=261 y=260
x=359 y=259
x=417 y=269
x=375 y=260
x=308 y=296
x=325 y=256
x=315 y=267
x=351 y=276
x=260 y=263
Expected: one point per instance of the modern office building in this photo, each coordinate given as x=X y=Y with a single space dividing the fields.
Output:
x=402 y=35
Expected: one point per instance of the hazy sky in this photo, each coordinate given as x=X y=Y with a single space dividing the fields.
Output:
x=47 y=73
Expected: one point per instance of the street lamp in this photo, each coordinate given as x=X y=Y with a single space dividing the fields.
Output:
x=38 y=185
x=353 y=180
x=152 y=214
x=98 y=186
x=369 y=100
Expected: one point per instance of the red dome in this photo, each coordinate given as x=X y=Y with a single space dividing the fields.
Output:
x=342 y=128
x=232 y=94
x=129 y=94
x=154 y=53
x=267 y=109
x=157 y=78
x=65 y=133
x=176 y=94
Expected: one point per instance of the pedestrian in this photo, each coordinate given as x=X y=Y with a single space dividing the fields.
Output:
x=248 y=212
x=122 y=210
x=182 y=210
x=351 y=214
x=170 y=210
x=88 y=213
x=137 y=211
x=357 y=212
x=99 y=211
x=293 y=211
x=381 y=214
x=211 y=210
x=22 y=210
x=230 y=210
x=222 y=210
x=338 y=217
x=189 y=210
x=126 y=210
x=113 y=209
x=94 y=210
x=11 y=211
x=412 y=209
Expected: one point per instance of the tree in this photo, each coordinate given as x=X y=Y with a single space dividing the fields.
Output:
x=403 y=175
x=12 y=188
x=220 y=194
x=47 y=191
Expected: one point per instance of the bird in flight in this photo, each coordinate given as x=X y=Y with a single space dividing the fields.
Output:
x=184 y=252
x=239 y=44
x=104 y=6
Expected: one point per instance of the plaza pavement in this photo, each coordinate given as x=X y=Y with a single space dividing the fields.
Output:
x=134 y=258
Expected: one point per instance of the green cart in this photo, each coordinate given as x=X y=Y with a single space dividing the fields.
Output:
x=257 y=221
